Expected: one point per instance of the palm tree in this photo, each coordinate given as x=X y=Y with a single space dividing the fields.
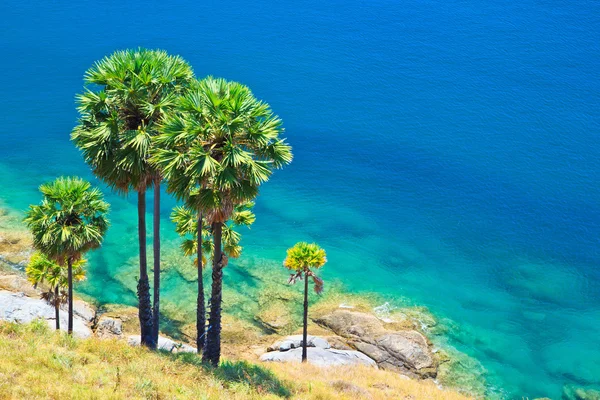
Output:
x=215 y=153
x=127 y=94
x=300 y=259
x=70 y=221
x=186 y=225
x=43 y=271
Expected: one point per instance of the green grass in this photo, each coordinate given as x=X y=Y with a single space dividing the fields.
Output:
x=39 y=363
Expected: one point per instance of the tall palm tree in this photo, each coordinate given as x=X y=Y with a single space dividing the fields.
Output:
x=187 y=226
x=301 y=259
x=43 y=271
x=215 y=153
x=127 y=95
x=70 y=221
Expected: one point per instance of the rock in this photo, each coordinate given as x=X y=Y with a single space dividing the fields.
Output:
x=351 y=323
x=338 y=343
x=576 y=393
x=17 y=283
x=321 y=357
x=295 y=341
x=16 y=307
x=84 y=310
x=164 y=344
x=108 y=327
x=405 y=351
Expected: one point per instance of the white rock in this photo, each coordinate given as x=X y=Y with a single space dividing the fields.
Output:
x=16 y=307
x=84 y=310
x=164 y=344
x=295 y=341
x=320 y=357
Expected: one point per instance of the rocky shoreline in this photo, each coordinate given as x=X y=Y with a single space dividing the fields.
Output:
x=346 y=335
x=352 y=334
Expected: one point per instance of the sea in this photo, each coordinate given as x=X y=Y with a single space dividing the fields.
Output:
x=447 y=155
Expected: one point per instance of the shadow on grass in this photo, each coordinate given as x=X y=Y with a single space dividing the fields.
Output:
x=230 y=372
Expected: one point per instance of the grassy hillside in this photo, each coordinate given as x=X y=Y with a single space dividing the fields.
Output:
x=36 y=362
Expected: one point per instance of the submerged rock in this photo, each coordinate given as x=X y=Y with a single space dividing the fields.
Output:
x=405 y=351
x=276 y=318
x=16 y=307
x=575 y=393
x=321 y=357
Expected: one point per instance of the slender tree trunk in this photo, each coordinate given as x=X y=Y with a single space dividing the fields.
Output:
x=156 y=245
x=70 y=283
x=305 y=328
x=212 y=349
x=57 y=307
x=200 y=309
x=143 y=289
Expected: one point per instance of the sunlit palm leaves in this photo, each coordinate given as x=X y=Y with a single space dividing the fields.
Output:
x=215 y=152
x=302 y=258
x=221 y=145
x=45 y=272
x=186 y=225
x=126 y=97
x=70 y=221
x=127 y=94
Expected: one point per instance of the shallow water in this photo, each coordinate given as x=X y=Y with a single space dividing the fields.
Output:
x=446 y=154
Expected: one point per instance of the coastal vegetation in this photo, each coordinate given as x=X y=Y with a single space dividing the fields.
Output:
x=69 y=222
x=39 y=363
x=43 y=271
x=126 y=97
x=302 y=259
x=146 y=120
x=215 y=152
x=188 y=226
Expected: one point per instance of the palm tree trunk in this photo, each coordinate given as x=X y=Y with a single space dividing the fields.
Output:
x=212 y=349
x=143 y=289
x=200 y=309
x=57 y=307
x=305 y=328
x=70 y=283
x=156 y=245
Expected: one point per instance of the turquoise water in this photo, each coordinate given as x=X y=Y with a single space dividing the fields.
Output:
x=446 y=153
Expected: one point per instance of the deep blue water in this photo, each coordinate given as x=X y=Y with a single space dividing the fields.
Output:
x=446 y=152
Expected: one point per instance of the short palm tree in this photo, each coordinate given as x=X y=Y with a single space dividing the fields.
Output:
x=127 y=95
x=215 y=153
x=186 y=225
x=70 y=221
x=43 y=271
x=302 y=259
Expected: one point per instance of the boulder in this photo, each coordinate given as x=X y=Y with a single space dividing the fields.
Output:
x=108 y=327
x=320 y=356
x=16 y=307
x=84 y=310
x=295 y=341
x=17 y=283
x=405 y=351
x=164 y=344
